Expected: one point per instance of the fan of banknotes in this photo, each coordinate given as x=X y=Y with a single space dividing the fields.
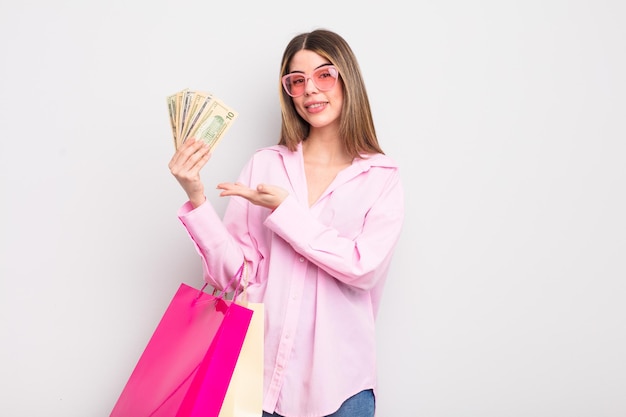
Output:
x=200 y=115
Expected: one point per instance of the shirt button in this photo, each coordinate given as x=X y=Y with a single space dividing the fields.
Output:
x=301 y=259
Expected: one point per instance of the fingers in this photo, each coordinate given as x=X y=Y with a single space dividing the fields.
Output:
x=272 y=195
x=183 y=151
x=196 y=151
x=263 y=195
x=234 y=188
x=272 y=190
x=190 y=158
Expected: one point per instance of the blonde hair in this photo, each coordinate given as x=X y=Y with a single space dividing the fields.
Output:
x=357 y=126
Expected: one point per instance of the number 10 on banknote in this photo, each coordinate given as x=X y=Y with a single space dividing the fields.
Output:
x=200 y=115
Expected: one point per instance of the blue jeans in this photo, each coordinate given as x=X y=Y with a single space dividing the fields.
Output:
x=362 y=404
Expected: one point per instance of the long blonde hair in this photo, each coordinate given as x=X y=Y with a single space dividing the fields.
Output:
x=357 y=126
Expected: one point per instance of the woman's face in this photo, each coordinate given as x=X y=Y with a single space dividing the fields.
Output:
x=321 y=109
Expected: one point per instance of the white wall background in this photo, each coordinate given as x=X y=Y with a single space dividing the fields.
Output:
x=507 y=117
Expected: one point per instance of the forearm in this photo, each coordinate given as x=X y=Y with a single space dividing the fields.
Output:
x=354 y=261
x=221 y=255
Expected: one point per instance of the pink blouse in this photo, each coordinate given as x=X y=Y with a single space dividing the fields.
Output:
x=319 y=271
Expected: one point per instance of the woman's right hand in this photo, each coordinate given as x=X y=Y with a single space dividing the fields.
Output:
x=186 y=164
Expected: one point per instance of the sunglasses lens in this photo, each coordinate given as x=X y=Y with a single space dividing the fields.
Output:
x=294 y=84
x=324 y=79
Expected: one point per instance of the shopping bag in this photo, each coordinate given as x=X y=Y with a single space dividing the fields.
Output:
x=244 y=397
x=186 y=367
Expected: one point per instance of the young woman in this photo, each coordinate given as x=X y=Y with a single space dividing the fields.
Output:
x=317 y=218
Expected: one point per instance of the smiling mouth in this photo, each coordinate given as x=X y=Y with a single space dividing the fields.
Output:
x=316 y=105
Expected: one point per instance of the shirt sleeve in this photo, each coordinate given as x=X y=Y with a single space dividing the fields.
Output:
x=221 y=255
x=355 y=261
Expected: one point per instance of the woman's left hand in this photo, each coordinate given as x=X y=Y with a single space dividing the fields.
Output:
x=269 y=196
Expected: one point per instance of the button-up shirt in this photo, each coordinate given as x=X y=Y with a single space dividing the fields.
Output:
x=319 y=270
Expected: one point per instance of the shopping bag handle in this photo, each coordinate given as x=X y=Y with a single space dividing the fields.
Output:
x=244 y=286
x=223 y=292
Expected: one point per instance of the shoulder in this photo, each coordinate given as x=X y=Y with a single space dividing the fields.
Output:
x=377 y=160
x=272 y=152
x=381 y=171
x=270 y=159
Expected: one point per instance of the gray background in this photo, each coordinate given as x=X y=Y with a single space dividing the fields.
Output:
x=506 y=296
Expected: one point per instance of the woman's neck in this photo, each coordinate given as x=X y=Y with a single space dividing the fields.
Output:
x=325 y=151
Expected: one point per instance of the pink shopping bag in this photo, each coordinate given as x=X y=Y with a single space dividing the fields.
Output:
x=188 y=363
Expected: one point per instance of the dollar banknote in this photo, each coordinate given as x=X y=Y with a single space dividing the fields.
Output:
x=198 y=115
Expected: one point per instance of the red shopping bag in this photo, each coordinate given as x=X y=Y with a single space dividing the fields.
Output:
x=187 y=365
